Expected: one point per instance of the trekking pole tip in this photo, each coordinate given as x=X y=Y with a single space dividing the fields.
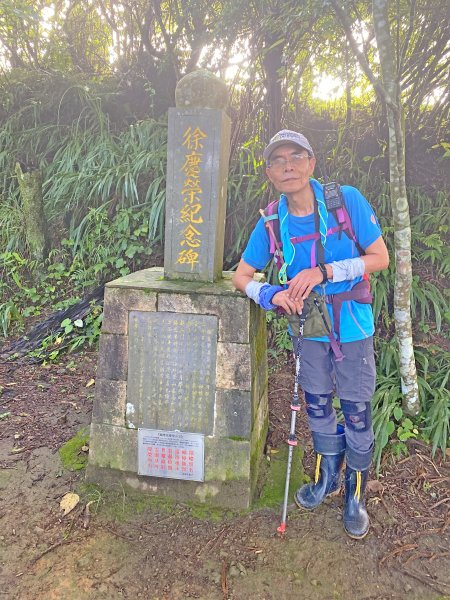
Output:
x=282 y=528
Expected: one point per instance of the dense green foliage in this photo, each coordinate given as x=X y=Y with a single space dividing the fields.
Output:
x=84 y=93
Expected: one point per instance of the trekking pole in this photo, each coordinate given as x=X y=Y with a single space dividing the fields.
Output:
x=292 y=440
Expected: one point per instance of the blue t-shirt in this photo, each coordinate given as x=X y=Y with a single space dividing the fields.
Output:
x=356 y=318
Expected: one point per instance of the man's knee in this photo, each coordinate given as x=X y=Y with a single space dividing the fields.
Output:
x=358 y=415
x=318 y=406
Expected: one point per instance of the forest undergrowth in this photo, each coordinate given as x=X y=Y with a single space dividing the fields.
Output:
x=104 y=196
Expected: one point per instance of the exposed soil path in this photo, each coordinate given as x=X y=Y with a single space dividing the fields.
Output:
x=123 y=547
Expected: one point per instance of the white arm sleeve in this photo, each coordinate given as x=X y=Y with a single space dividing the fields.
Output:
x=348 y=269
x=253 y=288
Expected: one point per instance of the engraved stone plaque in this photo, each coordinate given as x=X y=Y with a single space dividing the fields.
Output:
x=171 y=373
x=171 y=454
x=197 y=167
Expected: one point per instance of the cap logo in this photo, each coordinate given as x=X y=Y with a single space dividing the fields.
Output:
x=280 y=136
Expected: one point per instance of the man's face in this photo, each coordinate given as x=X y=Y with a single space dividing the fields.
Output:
x=289 y=168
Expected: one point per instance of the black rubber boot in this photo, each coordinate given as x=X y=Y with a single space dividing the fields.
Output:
x=356 y=519
x=330 y=452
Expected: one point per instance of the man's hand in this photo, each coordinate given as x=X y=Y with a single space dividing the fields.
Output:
x=301 y=285
x=290 y=307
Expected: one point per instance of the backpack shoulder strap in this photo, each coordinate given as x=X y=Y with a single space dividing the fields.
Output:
x=272 y=224
x=344 y=222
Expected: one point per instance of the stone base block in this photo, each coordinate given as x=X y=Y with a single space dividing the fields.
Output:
x=187 y=356
x=235 y=495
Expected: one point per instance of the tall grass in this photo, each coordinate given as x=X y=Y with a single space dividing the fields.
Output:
x=246 y=190
x=86 y=159
x=104 y=194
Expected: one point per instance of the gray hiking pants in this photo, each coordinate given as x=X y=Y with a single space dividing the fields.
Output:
x=353 y=380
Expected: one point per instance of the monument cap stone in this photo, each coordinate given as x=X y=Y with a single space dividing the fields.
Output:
x=201 y=89
x=197 y=167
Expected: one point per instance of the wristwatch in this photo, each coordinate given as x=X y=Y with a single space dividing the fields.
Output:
x=323 y=270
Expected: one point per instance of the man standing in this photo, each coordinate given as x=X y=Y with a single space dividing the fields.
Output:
x=326 y=253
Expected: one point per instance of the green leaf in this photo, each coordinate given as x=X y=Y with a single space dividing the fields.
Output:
x=383 y=439
x=398 y=413
x=131 y=251
x=78 y=323
x=390 y=427
x=66 y=322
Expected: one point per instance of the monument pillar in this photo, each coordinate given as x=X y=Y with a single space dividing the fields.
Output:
x=180 y=403
x=197 y=169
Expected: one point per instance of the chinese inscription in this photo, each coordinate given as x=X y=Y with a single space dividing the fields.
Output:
x=172 y=366
x=191 y=194
x=171 y=454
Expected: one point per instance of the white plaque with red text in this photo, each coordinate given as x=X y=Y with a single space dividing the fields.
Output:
x=171 y=454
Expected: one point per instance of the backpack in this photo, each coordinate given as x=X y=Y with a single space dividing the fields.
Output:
x=335 y=203
x=341 y=216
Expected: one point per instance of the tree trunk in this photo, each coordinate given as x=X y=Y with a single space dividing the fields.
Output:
x=400 y=207
x=272 y=63
x=348 y=92
x=30 y=185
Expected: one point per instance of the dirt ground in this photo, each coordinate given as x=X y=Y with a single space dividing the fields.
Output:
x=114 y=545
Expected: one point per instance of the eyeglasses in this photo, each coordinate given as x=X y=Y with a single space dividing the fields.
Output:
x=281 y=163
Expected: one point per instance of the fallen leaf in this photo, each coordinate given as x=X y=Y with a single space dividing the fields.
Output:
x=90 y=382
x=374 y=486
x=17 y=450
x=5 y=415
x=85 y=448
x=273 y=451
x=87 y=515
x=69 y=501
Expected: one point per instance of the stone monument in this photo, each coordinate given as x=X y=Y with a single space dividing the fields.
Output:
x=180 y=403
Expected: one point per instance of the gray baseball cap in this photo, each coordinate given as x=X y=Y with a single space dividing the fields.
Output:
x=286 y=136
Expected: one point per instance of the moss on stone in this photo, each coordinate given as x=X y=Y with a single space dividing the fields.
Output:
x=203 y=89
x=204 y=512
x=72 y=456
x=124 y=503
x=257 y=455
x=274 y=478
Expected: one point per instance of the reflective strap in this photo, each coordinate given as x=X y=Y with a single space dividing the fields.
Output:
x=317 y=475
x=358 y=485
